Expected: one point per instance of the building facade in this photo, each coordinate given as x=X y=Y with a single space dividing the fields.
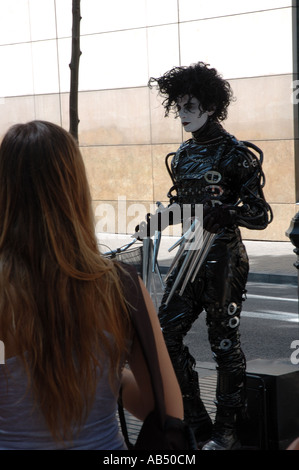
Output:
x=123 y=134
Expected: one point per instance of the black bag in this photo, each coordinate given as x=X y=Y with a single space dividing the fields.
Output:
x=159 y=431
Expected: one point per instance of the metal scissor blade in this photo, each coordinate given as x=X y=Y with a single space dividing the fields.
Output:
x=177 y=243
x=190 y=268
x=179 y=276
x=159 y=275
x=183 y=241
x=208 y=244
x=199 y=240
x=175 y=260
x=157 y=240
x=147 y=248
x=184 y=237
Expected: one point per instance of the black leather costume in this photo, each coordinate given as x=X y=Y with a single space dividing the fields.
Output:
x=214 y=166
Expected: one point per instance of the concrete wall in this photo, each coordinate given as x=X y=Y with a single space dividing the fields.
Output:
x=123 y=134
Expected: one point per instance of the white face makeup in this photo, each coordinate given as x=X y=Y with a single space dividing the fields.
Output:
x=191 y=114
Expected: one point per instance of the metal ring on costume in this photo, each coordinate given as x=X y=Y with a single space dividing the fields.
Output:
x=232 y=308
x=225 y=344
x=234 y=322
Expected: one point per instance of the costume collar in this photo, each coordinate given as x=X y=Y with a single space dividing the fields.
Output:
x=209 y=132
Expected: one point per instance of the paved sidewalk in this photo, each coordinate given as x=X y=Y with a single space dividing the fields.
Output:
x=269 y=261
x=272 y=261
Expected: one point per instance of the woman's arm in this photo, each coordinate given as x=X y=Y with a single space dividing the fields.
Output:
x=137 y=393
x=294 y=445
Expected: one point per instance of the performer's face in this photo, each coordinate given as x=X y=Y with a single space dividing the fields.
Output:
x=191 y=114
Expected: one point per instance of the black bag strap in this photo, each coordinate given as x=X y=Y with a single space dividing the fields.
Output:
x=123 y=423
x=178 y=435
x=144 y=331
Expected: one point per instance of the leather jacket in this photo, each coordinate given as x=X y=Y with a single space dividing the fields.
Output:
x=214 y=166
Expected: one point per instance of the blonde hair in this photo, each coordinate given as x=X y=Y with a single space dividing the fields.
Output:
x=60 y=299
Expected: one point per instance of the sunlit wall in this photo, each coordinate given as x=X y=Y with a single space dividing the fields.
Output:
x=123 y=134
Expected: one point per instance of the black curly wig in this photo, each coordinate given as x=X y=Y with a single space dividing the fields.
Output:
x=199 y=81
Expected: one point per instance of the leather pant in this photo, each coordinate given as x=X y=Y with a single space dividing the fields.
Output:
x=219 y=290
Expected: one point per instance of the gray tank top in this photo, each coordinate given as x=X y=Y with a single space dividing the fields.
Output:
x=23 y=427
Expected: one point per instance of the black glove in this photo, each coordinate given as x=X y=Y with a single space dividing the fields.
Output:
x=218 y=217
x=158 y=221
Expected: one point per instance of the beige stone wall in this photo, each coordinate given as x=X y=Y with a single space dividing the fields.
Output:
x=123 y=134
x=135 y=168
x=124 y=150
x=264 y=114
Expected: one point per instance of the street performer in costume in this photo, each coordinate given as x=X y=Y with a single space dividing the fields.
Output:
x=223 y=174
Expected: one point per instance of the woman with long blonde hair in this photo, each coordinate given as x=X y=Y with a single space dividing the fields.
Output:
x=63 y=315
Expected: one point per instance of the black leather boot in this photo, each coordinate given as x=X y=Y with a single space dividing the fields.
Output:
x=224 y=436
x=198 y=419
